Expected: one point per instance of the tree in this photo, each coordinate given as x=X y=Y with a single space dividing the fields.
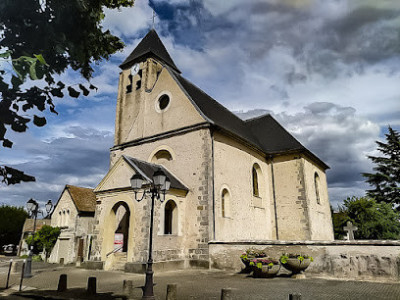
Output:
x=11 y=222
x=386 y=179
x=41 y=40
x=374 y=220
x=339 y=220
x=44 y=239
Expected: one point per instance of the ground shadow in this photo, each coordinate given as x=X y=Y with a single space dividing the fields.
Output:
x=76 y=293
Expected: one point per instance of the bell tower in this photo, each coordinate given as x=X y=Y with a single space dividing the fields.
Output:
x=140 y=72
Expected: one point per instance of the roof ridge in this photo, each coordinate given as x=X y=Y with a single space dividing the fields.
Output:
x=79 y=187
x=258 y=117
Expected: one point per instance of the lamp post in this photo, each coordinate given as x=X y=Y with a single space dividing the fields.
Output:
x=33 y=209
x=157 y=189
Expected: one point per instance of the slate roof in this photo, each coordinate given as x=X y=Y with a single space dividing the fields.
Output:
x=265 y=133
x=150 y=45
x=272 y=136
x=147 y=170
x=84 y=198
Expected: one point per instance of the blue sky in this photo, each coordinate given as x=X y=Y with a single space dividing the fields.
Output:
x=328 y=70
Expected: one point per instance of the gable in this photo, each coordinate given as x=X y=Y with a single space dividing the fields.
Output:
x=64 y=204
x=179 y=113
x=118 y=177
x=120 y=174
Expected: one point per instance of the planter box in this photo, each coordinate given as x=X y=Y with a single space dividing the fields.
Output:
x=266 y=271
x=296 y=266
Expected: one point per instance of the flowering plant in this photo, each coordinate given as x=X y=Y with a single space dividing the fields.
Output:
x=252 y=253
x=300 y=257
x=259 y=262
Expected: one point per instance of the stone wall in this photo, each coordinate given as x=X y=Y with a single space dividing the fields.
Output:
x=356 y=260
x=194 y=210
x=245 y=216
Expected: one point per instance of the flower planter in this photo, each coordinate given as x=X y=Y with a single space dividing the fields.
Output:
x=247 y=268
x=266 y=271
x=296 y=266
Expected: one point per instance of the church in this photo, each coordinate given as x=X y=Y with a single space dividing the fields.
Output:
x=232 y=180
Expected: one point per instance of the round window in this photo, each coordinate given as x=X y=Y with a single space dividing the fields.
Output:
x=163 y=102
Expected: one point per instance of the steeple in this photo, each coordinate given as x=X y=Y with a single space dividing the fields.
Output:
x=150 y=46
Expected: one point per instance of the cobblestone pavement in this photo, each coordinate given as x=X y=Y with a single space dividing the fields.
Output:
x=199 y=284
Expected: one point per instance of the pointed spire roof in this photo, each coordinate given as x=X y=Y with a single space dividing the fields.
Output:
x=150 y=45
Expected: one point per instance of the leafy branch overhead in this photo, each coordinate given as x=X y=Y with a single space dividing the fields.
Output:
x=41 y=40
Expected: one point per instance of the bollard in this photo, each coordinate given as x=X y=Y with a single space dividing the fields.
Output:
x=15 y=267
x=8 y=275
x=22 y=275
x=172 y=291
x=226 y=294
x=127 y=287
x=62 y=283
x=295 y=296
x=91 y=286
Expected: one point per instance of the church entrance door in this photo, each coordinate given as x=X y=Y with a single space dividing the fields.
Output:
x=121 y=227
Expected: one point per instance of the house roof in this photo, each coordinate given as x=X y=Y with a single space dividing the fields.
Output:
x=150 y=45
x=29 y=223
x=147 y=170
x=84 y=198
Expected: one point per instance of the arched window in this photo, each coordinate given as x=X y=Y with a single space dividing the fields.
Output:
x=160 y=156
x=170 y=218
x=255 y=173
x=316 y=184
x=225 y=203
x=59 y=219
x=63 y=219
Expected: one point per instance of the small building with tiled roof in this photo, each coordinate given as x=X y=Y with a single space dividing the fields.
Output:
x=232 y=180
x=74 y=214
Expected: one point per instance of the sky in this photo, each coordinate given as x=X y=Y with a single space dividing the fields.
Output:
x=327 y=70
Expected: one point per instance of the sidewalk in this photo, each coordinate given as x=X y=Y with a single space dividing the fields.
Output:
x=196 y=284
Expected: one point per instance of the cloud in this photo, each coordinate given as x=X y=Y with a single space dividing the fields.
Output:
x=338 y=136
x=127 y=22
x=328 y=70
x=80 y=159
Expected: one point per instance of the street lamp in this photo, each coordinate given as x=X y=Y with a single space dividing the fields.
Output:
x=33 y=209
x=48 y=207
x=157 y=189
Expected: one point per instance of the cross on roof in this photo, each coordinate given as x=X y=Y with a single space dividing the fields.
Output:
x=154 y=16
x=350 y=228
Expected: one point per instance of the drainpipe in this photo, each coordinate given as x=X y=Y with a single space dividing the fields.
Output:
x=274 y=196
x=213 y=181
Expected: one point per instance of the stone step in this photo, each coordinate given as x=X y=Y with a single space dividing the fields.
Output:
x=120 y=260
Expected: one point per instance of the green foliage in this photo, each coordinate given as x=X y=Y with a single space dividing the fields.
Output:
x=301 y=257
x=40 y=40
x=339 y=221
x=11 y=222
x=386 y=179
x=36 y=258
x=374 y=220
x=45 y=238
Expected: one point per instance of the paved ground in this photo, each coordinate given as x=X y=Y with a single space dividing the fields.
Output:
x=193 y=284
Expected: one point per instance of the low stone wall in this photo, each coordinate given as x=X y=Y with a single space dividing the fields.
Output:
x=357 y=260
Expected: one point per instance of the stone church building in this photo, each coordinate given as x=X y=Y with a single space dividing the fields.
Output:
x=231 y=180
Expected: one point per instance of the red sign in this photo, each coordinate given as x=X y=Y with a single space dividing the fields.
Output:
x=118 y=242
